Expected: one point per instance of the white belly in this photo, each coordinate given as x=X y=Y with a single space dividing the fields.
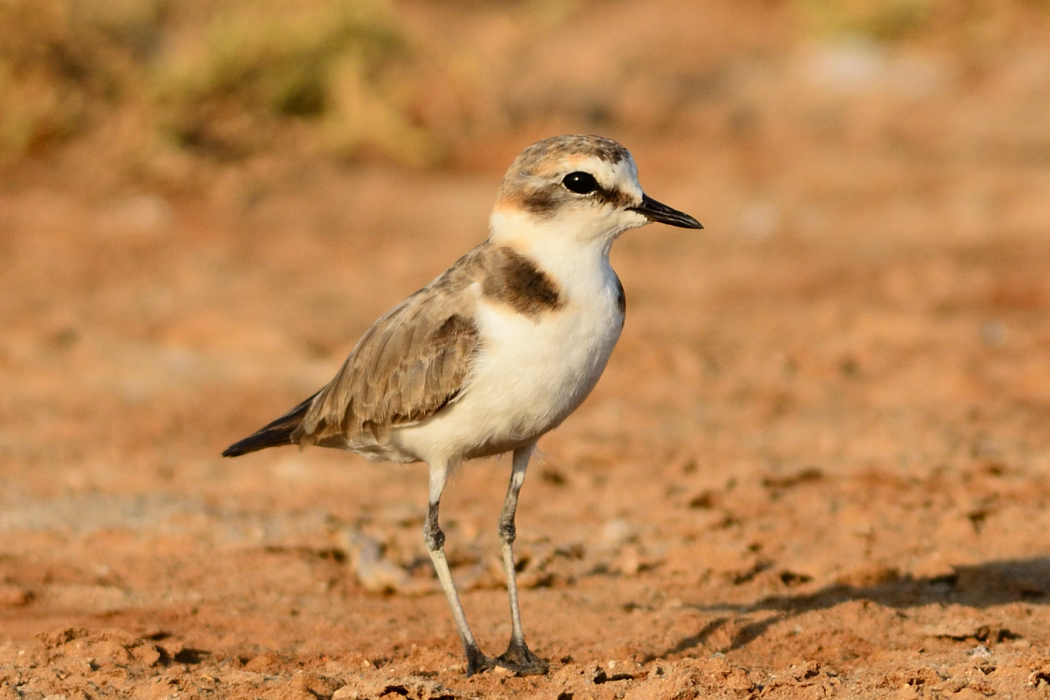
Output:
x=531 y=373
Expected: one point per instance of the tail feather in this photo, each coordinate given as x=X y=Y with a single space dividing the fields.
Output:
x=274 y=434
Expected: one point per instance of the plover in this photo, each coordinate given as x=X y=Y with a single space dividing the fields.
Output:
x=496 y=351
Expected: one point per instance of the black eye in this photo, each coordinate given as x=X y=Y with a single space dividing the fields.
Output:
x=580 y=183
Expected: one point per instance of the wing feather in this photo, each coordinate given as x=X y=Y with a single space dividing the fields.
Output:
x=409 y=365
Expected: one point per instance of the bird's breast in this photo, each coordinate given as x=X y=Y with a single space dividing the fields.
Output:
x=531 y=372
x=540 y=369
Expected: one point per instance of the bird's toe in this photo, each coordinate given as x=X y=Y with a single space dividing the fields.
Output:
x=478 y=662
x=520 y=659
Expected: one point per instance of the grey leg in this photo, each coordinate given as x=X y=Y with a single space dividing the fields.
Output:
x=517 y=657
x=435 y=541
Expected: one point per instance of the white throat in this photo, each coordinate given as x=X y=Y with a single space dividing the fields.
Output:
x=569 y=237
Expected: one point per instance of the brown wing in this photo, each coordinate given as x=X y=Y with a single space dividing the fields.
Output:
x=407 y=367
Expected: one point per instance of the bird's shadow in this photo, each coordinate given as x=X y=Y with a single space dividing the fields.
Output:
x=979 y=586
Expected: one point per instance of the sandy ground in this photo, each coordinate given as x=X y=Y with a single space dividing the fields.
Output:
x=817 y=464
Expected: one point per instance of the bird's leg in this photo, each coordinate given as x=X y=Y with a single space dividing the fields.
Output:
x=435 y=541
x=517 y=657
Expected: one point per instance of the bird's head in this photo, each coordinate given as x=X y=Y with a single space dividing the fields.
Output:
x=580 y=187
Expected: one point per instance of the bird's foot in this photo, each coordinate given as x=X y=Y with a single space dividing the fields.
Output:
x=478 y=662
x=521 y=660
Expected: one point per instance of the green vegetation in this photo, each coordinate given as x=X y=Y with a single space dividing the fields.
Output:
x=255 y=67
x=886 y=20
x=61 y=63
x=220 y=80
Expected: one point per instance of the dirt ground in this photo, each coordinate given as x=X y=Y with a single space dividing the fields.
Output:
x=817 y=465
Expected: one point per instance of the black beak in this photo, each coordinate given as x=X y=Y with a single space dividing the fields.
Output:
x=654 y=211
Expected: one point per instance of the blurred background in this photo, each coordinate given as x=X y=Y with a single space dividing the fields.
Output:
x=166 y=94
x=203 y=204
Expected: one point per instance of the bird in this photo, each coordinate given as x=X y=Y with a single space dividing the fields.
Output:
x=496 y=351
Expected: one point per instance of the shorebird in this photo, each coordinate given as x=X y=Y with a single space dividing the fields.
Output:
x=496 y=351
